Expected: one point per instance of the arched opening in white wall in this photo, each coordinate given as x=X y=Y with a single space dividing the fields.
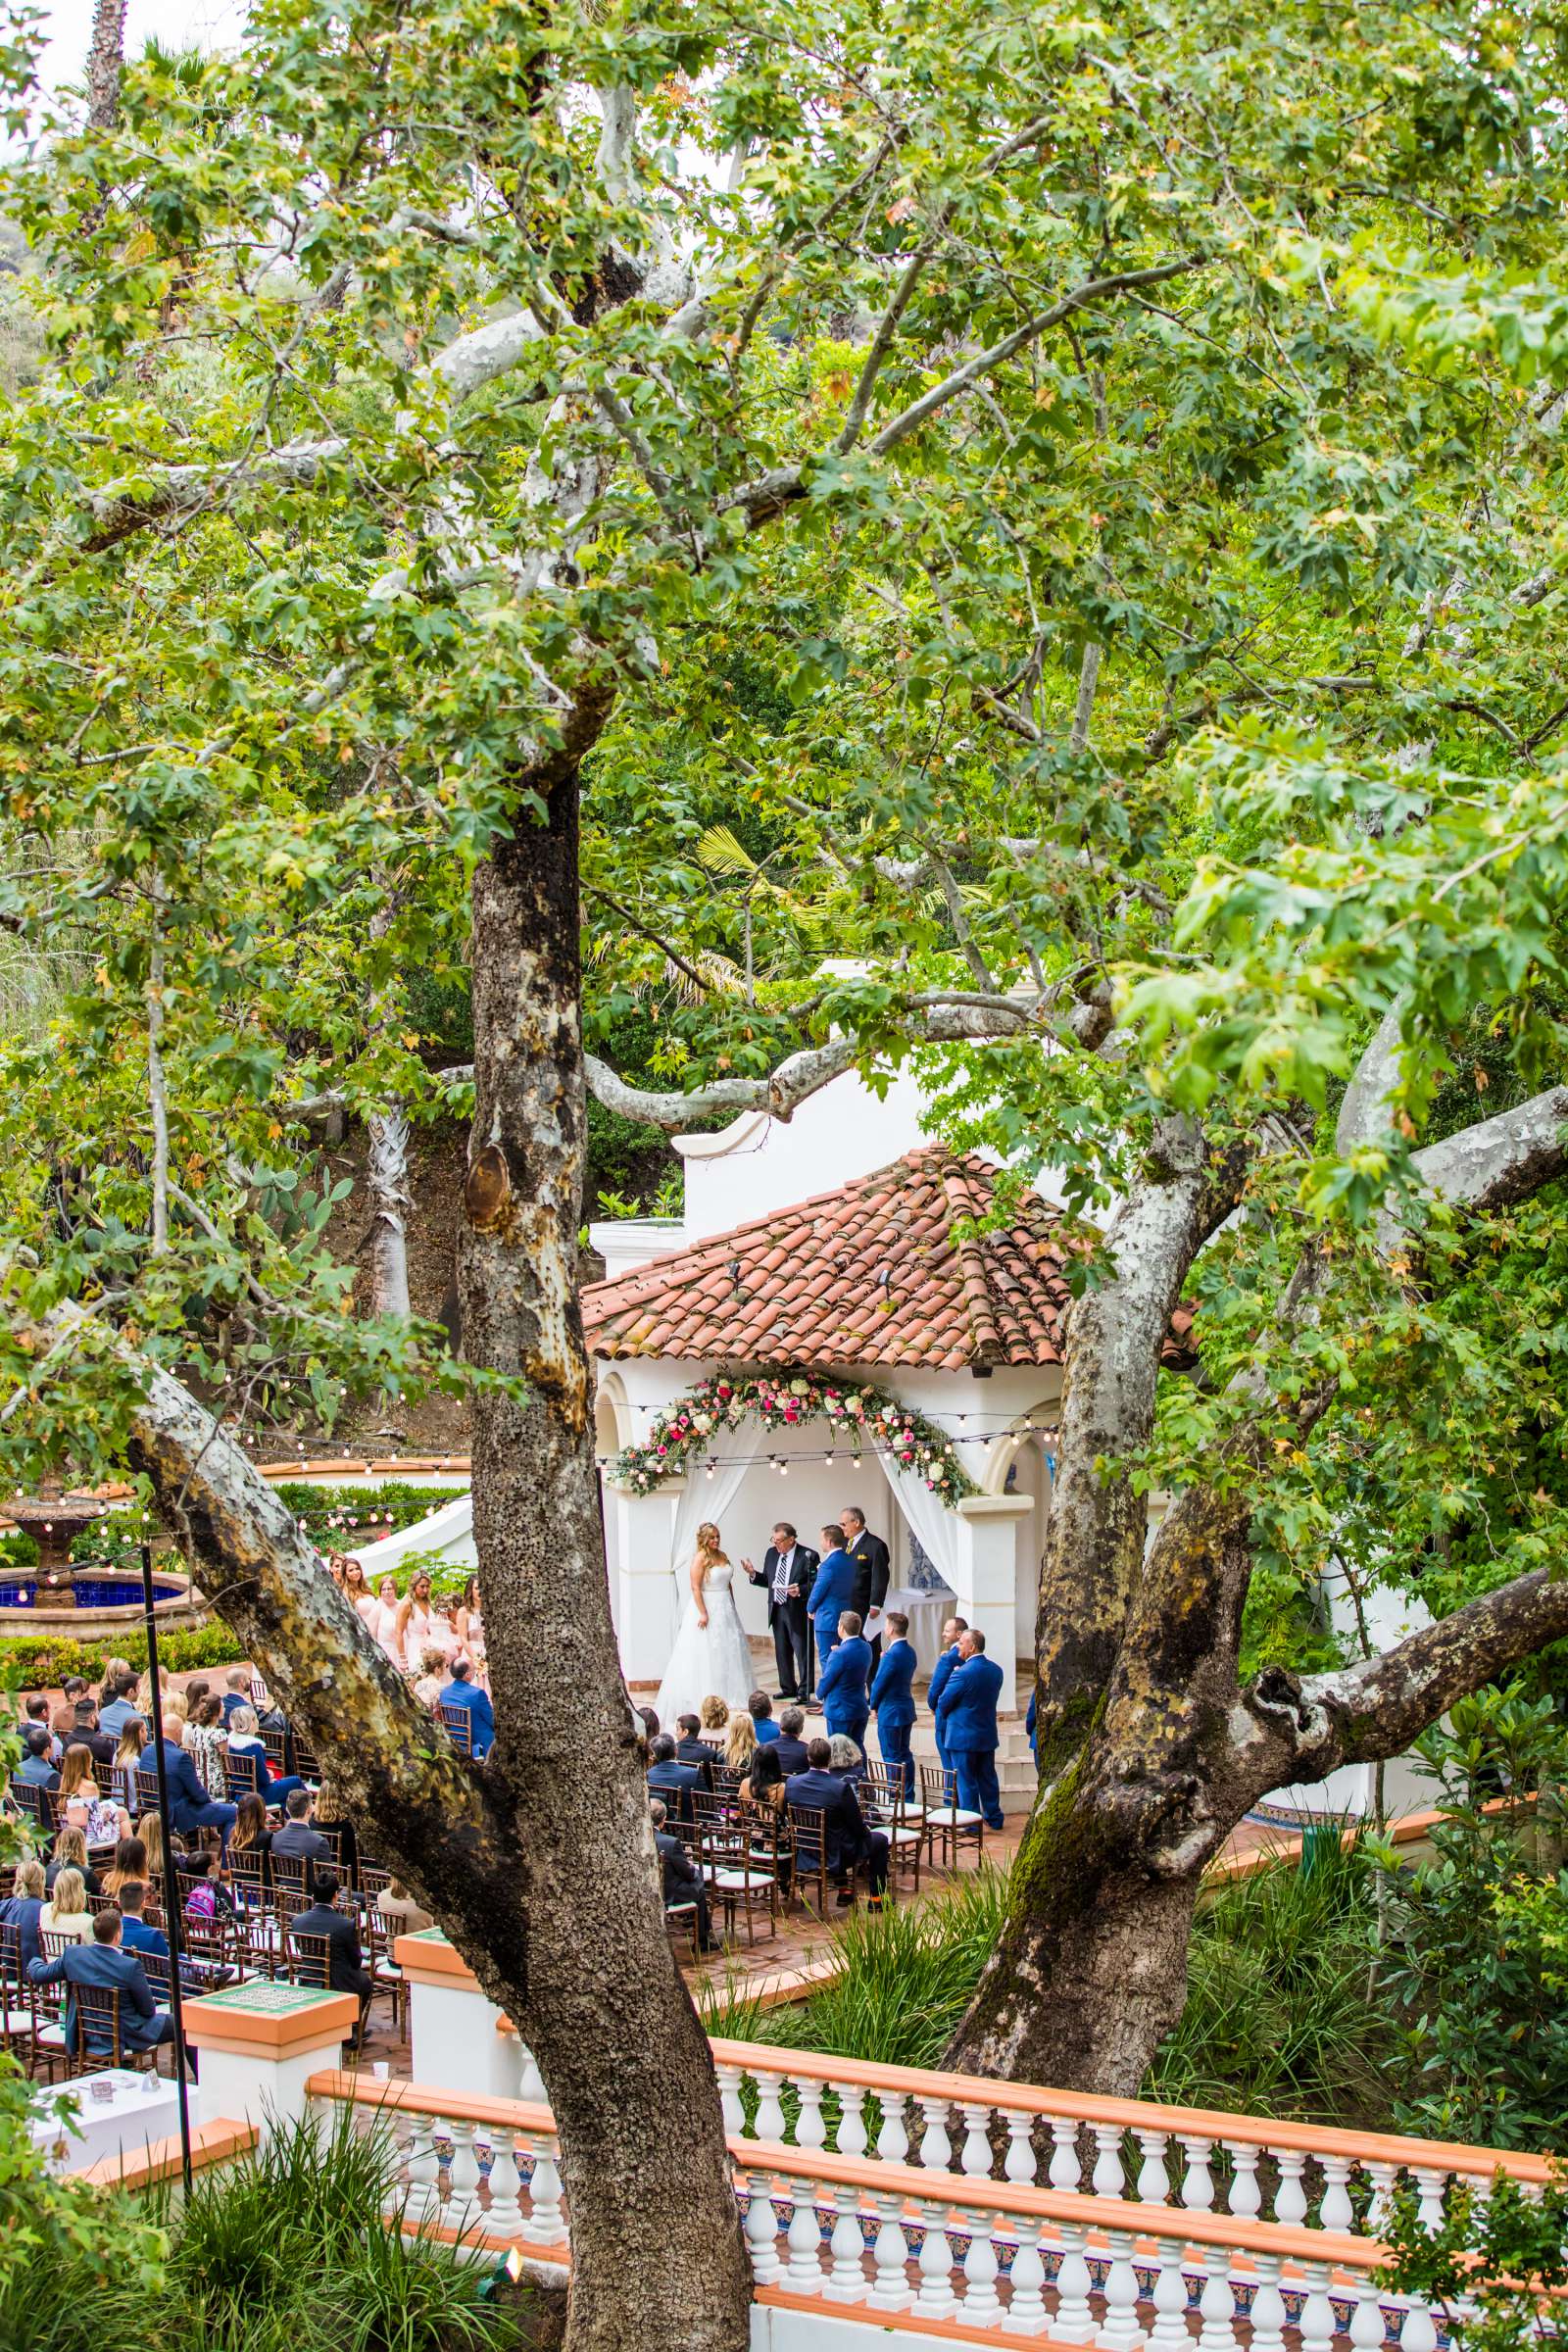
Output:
x=1020 y=1463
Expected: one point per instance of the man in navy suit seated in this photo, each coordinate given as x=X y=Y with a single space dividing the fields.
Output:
x=832 y=1593
x=675 y=1783
x=849 y=1840
x=967 y=1714
x=465 y=1695
x=143 y=2025
x=692 y=1748
x=36 y=1769
x=893 y=1697
x=189 y=1805
x=840 y=1684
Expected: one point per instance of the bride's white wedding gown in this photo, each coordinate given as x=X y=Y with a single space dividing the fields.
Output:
x=712 y=1658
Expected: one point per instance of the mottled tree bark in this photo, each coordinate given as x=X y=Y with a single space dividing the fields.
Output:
x=657 y=2250
x=1117 y=1334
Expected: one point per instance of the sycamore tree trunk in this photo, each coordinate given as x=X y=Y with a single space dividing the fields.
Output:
x=1162 y=1751
x=656 y=2248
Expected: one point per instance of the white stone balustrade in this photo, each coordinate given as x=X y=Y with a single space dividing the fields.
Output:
x=858 y=2236
x=1247 y=2168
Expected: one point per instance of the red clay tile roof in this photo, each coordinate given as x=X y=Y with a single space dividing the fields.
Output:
x=869 y=1274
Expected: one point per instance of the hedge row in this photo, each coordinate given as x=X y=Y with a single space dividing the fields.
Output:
x=41 y=1661
x=342 y=1511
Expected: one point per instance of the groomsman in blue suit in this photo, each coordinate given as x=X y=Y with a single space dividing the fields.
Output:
x=840 y=1684
x=953 y=1629
x=968 y=1719
x=893 y=1697
x=832 y=1593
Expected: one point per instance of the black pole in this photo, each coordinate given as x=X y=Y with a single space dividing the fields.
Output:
x=170 y=1873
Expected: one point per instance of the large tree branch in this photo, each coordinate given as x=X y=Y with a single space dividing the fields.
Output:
x=770 y=493
x=1303 y=1729
x=1503 y=1160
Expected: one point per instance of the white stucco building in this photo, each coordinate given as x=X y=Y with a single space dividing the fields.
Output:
x=835 y=1246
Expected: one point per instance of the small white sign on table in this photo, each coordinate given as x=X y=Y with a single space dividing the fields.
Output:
x=137 y=2109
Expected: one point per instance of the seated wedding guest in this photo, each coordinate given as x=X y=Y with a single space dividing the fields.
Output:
x=346 y=1971
x=330 y=1813
x=674 y=1783
x=86 y=1734
x=137 y=1935
x=762 y=1789
x=649 y=1721
x=37 y=1767
x=144 y=1694
x=208 y=1898
x=99 y=1960
x=740 y=1741
x=760 y=1709
x=128 y=1869
x=691 y=1749
x=21 y=1908
x=841 y=1685
x=892 y=1697
x=432 y=1679
x=66 y=1913
x=683 y=1882
x=403 y=1913
x=116 y=1707
x=150 y=1830
x=189 y=1805
x=849 y=1843
x=132 y=1744
x=297 y=1837
x=465 y=1695
x=176 y=1718
x=845 y=1757
x=252 y=1834
x=207 y=1740
x=114 y=1668
x=62 y=1720
x=84 y=1806
x=238 y=1693
x=244 y=1739
x=715 y=1715
x=71 y=1853
x=790 y=1744
x=36 y=1714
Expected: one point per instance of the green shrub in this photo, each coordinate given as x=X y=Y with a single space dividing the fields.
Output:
x=71 y=2258
x=344 y=1513
x=1278 y=2018
x=41 y=1661
x=1474 y=1970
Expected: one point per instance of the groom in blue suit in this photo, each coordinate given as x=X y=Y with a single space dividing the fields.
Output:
x=832 y=1593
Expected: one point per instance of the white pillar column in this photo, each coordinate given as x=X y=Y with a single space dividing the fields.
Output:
x=459 y=2041
x=642 y=1527
x=259 y=2044
x=989 y=1530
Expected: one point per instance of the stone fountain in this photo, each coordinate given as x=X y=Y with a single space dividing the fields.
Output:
x=95 y=1596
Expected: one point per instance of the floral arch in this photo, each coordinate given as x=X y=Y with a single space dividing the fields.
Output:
x=787 y=1398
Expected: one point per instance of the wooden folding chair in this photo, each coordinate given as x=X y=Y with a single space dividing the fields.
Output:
x=944 y=1818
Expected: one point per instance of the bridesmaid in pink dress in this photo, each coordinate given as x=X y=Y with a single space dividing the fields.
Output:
x=421 y=1627
x=384 y=1623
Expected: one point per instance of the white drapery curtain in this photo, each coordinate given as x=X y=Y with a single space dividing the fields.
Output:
x=706 y=1497
x=938 y=1530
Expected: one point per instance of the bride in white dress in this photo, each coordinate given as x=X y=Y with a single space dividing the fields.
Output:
x=710 y=1652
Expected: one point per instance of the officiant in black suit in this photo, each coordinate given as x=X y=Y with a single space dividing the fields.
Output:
x=786 y=1570
x=873 y=1565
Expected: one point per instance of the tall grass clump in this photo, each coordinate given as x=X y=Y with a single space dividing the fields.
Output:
x=1281 y=2018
